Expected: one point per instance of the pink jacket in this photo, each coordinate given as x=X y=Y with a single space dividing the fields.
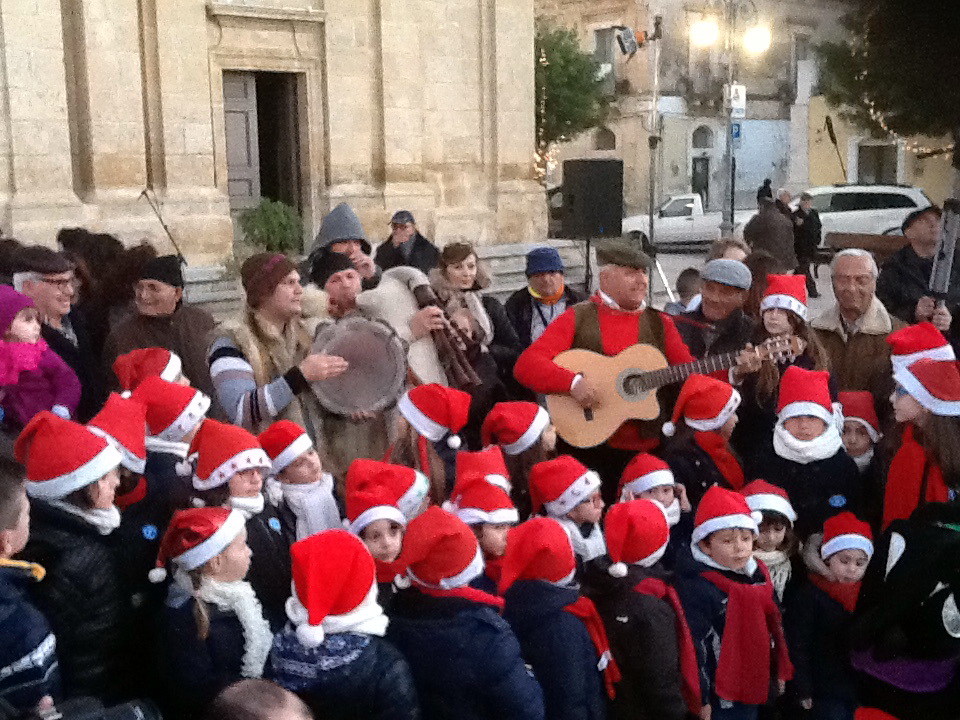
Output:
x=43 y=382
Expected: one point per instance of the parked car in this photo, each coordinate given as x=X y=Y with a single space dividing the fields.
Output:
x=681 y=220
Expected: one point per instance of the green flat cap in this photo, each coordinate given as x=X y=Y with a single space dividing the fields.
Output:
x=624 y=253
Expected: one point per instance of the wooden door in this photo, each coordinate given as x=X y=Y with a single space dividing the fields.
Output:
x=243 y=153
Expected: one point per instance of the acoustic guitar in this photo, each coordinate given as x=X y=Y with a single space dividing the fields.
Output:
x=627 y=385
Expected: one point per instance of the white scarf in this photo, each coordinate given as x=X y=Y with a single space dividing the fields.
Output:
x=104 y=520
x=806 y=451
x=672 y=512
x=585 y=548
x=240 y=599
x=367 y=618
x=780 y=567
x=248 y=506
x=313 y=505
x=863 y=461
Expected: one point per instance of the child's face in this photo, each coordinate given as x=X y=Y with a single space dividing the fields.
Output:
x=905 y=407
x=848 y=566
x=232 y=564
x=104 y=490
x=805 y=427
x=663 y=494
x=772 y=534
x=25 y=326
x=776 y=321
x=548 y=439
x=856 y=439
x=589 y=511
x=730 y=547
x=14 y=539
x=726 y=430
x=246 y=483
x=305 y=469
x=384 y=539
x=493 y=538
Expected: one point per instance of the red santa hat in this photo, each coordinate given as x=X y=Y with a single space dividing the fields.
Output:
x=123 y=422
x=705 y=404
x=196 y=536
x=61 y=456
x=381 y=491
x=645 y=472
x=720 y=509
x=477 y=501
x=440 y=551
x=560 y=484
x=935 y=384
x=487 y=464
x=224 y=450
x=914 y=342
x=865 y=713
x=284 y=441
x=788 y=292
x=858 y=406
x=805 y=392
x=637 y=533
x=514 y=426
x=435 y=410
x=766 y=497
x=538 y=549
x=846 y=532
x=172 y=410
x=333 y=574
x=134 y=367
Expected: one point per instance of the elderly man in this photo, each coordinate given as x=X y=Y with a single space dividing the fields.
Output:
x=406 y=246
x=719 y=324
x=772 y=231
x=545 y=298
x=48 y=278
x=341 y=232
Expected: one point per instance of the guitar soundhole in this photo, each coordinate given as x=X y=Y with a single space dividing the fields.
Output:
x=630 y=384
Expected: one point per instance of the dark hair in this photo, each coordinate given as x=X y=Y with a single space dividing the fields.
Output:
x=253 y=699
x=81 y=498
x=11 y=494
x=454 y=253
x=760 y=263
x=519 y=467
x=214 y=497
x=768 y=377
x=8 y=252
x=719 y=247
x=940 y=437
x=790 y=543
x=406 y=452
x=688 y=281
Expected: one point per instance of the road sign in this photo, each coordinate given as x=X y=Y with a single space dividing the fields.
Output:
x=736 y=133
x=738 y=101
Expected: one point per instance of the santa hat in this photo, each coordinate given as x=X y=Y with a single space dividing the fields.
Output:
x=514 y=426
x=846 y=532
x=637 y=533
x=914 y=342
x=858 y=406
x=766 y=497
x=284 y=441
x=788 y=292
x=645 y=472
x=935 y=384
x=560 y=484
x=487 y=464
x=381 y=491
x=705 y=404
x=196 y=536
x=440 y=551
x=224 y=450
x=136 y=366
x=720 y=509
x=61 y=456
x=123 y=422
x=865 y=713
x=435 y=410
x=172 y=410
x=805 y=392
x=539 y=549
x=333 y=574
x=477 y=501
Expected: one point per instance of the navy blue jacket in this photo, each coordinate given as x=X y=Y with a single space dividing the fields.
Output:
x=693 y=467
x=348 y=676
x=465 y=659
x=558 y=648
x=270 y=572
x=28 y=658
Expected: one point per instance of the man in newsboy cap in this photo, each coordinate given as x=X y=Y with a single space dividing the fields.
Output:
x=719 y=325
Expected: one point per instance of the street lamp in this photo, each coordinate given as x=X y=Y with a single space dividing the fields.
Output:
x=756 y=40
x=705 y=32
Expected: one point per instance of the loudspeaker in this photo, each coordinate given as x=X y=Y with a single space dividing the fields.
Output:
x=592 y=198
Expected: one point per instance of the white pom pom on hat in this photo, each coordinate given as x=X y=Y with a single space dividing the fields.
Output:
x=617 y=570
x=157 y=575
x=454 y=442
x=669 y=429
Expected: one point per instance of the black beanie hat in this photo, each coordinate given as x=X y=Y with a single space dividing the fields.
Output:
x=165 y=269
x=328 y=264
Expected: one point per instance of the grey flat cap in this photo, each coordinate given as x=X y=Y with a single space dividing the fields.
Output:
x=727 y=272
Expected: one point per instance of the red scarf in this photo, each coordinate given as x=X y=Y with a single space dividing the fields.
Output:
x=465 y=593
x=133 y=497
x=753 y=618
x=386 y=572
x=905 y=480
x=493 y=568
x=689 y=668
x=846 y=594
x=584 y=609
x=714 y=445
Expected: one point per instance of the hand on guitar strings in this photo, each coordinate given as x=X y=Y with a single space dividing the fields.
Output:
x=748 y=361
x=584 y=393
x=320 y=366
x=426 y=321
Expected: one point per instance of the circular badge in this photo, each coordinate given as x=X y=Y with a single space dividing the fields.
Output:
x=837 y=501
x=149 y=532
x=951 y=617
x=274 y=524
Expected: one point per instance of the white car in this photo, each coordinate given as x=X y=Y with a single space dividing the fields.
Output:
x=680 y=220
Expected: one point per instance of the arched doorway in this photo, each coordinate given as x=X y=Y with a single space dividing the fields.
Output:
x=702 y=142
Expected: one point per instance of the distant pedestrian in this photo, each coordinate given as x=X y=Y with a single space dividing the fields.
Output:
x=770 y=230
x=406 y=246
x=806 y=239
x=764 y=191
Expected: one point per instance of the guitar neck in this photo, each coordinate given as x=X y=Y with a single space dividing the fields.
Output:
x=654 y=379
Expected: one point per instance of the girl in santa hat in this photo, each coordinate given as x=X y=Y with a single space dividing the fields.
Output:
x=776 y=546
x=213 y=631
x=861 y=433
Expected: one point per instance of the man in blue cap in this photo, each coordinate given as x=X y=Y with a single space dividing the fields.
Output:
x=545 y=297
x=406 y=246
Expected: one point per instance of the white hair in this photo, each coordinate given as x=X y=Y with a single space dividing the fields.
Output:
x=20 y=278
x=855 y=252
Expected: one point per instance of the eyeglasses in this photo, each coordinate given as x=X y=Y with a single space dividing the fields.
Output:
x=60 y=284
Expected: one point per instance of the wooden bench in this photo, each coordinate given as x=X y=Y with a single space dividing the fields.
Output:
x=882 y=246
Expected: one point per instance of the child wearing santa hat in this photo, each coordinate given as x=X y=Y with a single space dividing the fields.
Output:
x=213 y=628
x=643 y=616
x=776 y=546
x=698 y=448
x=332 y=652
x=230 y=469
x=568 y=491
x=725 y=588
x=134 y=367
x=466 y=661
x=560 y=633
x=819 y=616
x=307 y=504
x=861 y=433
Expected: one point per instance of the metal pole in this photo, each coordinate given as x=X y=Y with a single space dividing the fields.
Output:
x=726 y=227
x=654 y=140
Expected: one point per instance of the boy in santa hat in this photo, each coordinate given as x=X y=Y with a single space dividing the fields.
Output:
x=861 y=433
x=819 y=617
x=568 y=491
x=726 y=589
x=213 y=628
x=560 y=633
x=332 y=653
x=307 y=504
x=466 y=661
x=776 y=546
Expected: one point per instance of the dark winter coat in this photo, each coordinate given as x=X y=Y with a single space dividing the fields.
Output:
x=348 y=676
x=270 y=572
x=905 y=278
x=424 y=255
x=770 y=230
x=558 y=649
x=520 y=308
x=465 y=659
x=693 y=468
x=806 y=234
x=28 y=650
x=706 y=338
x=84 y=598
x=643 y=639
x=505 y=347
x=84 y=359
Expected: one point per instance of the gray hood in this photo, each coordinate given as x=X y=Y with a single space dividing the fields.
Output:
x=340 y=224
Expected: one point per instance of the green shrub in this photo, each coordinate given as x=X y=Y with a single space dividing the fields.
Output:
x=272 y=226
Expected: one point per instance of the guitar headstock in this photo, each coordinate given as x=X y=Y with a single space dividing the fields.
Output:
x=781 y=348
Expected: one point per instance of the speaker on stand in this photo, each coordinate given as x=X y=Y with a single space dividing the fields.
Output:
x=592 y=203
